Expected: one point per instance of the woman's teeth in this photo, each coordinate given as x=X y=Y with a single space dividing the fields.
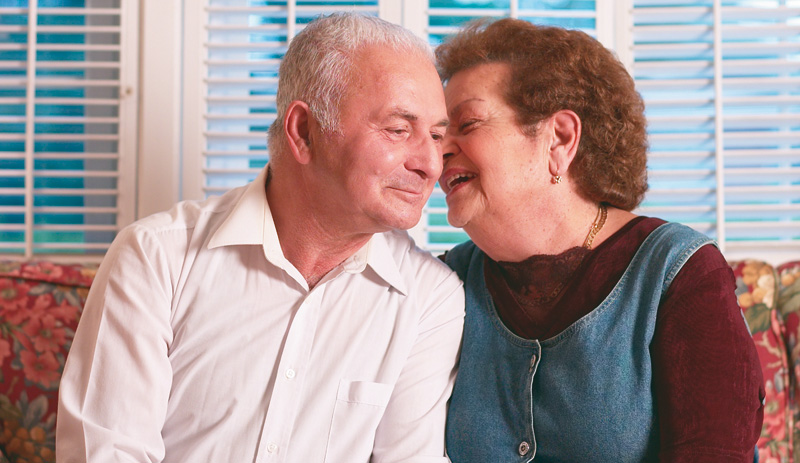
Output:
x=459 y=178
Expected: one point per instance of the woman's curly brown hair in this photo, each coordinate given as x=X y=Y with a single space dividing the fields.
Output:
x=554 y=69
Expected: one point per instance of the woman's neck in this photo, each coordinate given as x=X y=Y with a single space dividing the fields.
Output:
x=563 y=224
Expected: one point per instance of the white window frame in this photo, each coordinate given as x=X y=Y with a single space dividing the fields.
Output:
x=160 y=151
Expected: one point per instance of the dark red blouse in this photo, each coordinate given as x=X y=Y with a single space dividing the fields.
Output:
x=706 y=373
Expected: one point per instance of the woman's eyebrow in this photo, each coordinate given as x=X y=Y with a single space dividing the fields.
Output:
x=457 y=107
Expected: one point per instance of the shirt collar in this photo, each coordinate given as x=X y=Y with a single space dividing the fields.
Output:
x=250 y=222
x=246 y=221
x=378 y=255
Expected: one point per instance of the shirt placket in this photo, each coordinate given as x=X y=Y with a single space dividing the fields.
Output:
x=292 y=373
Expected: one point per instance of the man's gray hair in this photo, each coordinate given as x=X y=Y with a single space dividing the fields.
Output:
x=318 y=66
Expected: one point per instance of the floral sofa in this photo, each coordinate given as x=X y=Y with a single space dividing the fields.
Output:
x=40 y=303
x=770 y=299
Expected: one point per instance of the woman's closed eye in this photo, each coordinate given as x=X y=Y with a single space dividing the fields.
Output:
x=467 y=125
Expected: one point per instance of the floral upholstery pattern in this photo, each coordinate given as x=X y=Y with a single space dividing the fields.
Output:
x=756 y=291
x=789 y=305
x=40 y=304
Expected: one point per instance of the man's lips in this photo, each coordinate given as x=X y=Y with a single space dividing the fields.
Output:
x=410 y=193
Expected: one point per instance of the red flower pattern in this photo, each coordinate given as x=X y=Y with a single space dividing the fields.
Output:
x=757 y=292
x=5 y=350
x=53 y=270
x=13 y=294
x=39 y=309
x=66 y=312
x=46 y=333
x=43 y=369
x=13 y=301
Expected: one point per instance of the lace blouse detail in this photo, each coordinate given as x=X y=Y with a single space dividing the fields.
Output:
x=539 y=279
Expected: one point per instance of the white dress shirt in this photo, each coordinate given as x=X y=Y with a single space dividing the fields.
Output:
x=200 y=342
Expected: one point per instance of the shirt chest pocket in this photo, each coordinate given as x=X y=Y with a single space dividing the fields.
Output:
x=358 y=410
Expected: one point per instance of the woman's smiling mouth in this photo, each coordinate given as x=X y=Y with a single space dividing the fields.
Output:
x=457 y=179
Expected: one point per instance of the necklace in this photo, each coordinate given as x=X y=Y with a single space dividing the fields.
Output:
x=597 y=225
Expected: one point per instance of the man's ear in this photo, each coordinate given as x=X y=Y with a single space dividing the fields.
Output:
x=296 y=127
x=565 y=129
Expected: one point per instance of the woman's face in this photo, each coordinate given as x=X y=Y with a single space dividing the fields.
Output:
x=491 y=168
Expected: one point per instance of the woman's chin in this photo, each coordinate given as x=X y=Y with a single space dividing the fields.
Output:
x=457 y=218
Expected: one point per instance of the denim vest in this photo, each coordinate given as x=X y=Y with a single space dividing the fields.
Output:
x=584 y=395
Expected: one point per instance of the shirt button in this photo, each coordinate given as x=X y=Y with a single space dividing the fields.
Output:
x=272 y=447
x=290 y=373
x=523 y=448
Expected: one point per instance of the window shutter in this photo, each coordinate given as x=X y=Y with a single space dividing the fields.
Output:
x=721 y=83
x=244 y=42
x=62 y=124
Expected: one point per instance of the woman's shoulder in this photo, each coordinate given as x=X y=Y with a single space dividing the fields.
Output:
x=654 y=231
x=460 y=257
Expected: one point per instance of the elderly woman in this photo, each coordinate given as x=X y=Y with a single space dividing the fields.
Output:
x=592 y=334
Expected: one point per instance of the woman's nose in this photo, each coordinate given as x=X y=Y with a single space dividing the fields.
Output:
x=449 y=147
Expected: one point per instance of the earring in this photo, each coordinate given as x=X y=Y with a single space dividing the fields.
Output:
x=556 y=179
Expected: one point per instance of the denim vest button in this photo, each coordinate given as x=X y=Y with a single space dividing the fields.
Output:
x=523 y=448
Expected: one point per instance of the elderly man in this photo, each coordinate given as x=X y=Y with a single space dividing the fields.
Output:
x=288 y=320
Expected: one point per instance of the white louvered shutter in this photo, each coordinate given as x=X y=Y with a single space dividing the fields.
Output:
x=721 y=82
x=67 y=123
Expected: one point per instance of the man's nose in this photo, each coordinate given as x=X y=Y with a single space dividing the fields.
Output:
x=426 y=158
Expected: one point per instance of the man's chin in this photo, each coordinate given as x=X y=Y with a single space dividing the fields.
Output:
x=402 y=222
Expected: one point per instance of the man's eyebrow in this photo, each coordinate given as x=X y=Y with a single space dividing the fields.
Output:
x=404 y=114
x=409 y=116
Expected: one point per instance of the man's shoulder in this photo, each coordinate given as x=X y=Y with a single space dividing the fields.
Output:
x=432 y=286
x=185 y=221
x=189 y=214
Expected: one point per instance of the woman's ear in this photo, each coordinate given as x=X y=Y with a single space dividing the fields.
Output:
x=565 y=128
x=296 y=128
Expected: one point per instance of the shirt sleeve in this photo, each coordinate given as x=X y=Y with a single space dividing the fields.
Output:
x=114 y=390
x=412 y=427
x=707 y=375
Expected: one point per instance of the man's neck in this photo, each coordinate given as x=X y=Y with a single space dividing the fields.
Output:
x=316 y=257
x=307 y=241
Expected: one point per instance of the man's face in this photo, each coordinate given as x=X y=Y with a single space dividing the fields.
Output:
x=379 y=170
